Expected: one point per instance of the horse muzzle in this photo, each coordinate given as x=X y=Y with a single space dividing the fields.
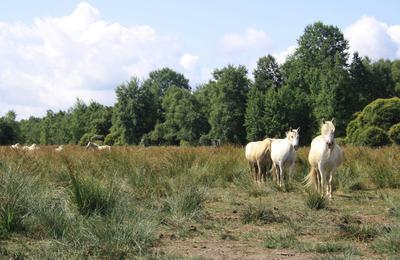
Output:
x=296 y=147
x=330 y=144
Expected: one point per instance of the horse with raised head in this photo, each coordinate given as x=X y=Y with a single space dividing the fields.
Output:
x=325 y=157
x=95 y=146
x=283 y=154
x=258 y=154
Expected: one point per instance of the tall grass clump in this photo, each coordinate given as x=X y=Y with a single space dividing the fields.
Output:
x=280 y=240
x=91 y=196
x=315 y=201
x=259 y=213
x=186 y=203
x=17 y=199
x=389 y=243
x=118 y=237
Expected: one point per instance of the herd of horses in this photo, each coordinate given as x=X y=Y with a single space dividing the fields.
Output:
x=33 y=147
x=277 y=155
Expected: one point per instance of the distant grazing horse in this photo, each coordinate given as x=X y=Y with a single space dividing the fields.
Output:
x=283 y=154
x=16 y=146
x=30 y=148
x=216 y=142
x=94 y=146
x=59 y=148
x=258 y=154
x=324 y=158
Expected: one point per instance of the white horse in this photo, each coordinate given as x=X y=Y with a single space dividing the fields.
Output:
x=59 y=148
x=258 y=154
x=30 y=148
x=283 y=154
x=324 y=158
x=16 y=146
x=94 y=146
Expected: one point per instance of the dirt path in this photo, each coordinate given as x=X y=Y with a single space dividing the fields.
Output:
x=212 y=249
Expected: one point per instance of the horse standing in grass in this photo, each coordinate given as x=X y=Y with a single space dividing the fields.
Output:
x=258 y=154
x=16 y=146
x=283 y=154
x=33 y=147
x=59 y=148
x=324 y=158
x=94 y=146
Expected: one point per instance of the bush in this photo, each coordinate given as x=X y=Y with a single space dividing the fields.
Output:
x=274 y=240
x=260 y=213
x=316 y=201
x=373 y=136
x=85 y=139
x=382 y=112
x=394 y=133
x=372 y=125
x=91 y=197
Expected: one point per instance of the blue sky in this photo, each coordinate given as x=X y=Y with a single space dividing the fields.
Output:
x=52 y=52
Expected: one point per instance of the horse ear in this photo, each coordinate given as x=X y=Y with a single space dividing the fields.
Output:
x=332 y=119
x=323 y=121
x=298 y=129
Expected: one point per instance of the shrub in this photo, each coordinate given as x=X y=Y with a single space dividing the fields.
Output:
x=85 y=139
x=316 y=201
x=382 y=112
x=373 y=136
x=260 y=213
x=285 y=240
x=188 y=203
x=371 y=125
x=359 y=231
x=394 y=133
x=389 y=243
x=90 y=196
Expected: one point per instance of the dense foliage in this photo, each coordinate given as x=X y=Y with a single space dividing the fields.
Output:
x=376 y=124
x=318 y=81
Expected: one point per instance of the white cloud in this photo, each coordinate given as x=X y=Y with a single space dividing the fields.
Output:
x=189 y=62
x=374 y=38
x=48 y=64
x=250 y=39
x=283 y=55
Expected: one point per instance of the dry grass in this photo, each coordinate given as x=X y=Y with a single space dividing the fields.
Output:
x=139 y=202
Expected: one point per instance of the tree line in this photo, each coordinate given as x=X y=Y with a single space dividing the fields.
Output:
x=318 y=81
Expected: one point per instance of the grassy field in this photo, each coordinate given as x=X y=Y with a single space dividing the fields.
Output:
x=174 y=202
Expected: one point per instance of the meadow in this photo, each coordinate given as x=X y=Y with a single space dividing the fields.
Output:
x=192 y=203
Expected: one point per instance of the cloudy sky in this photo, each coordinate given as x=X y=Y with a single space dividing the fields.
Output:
x=52 y=52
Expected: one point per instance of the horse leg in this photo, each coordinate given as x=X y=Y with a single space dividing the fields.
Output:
x=317 y=185
x=280 y=173
x=257 y=172
x=321 y=176
x=276 y=173
x=330 y=183
x=251 y=170
x=260 y=171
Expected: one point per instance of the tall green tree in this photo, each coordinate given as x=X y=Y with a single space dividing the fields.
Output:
x=134 y=113
x=183 y=118
x=285 y=108
x=254 y=117
x=396 y=76
x=319 y=67
x=267 y=73
x=229 y=104
x=9 y=129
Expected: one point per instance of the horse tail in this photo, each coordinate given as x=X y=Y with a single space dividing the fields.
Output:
x=311 y=178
